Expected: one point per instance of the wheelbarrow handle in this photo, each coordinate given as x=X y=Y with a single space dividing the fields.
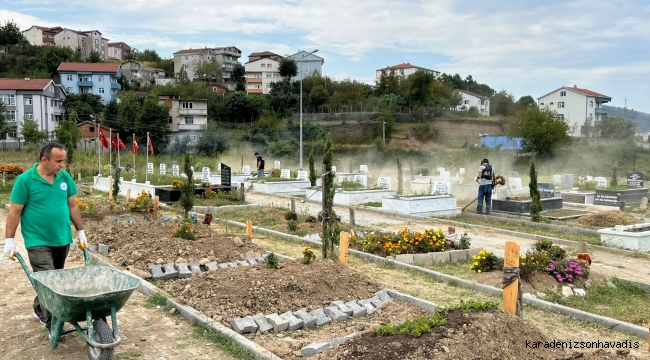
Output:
x=15 y=256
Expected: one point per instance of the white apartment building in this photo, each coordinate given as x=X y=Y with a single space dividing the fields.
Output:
x=188 y=59
x=39 y=100
x=40 y=35
x=404 y=69
x=471 y=99
x=86 y=41
x=261 y=72
x=576 y=105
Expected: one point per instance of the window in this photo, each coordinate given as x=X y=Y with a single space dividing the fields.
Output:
x=186 y=59
x=12 y=115
x=192 y=137
x=91 y=129
x=466 y=102
x=169 y=120
x=85 y=90
x=401 y=71
x=263 y=66
x=560 y=104
x=482 y=102
x=12 y=133
x=28 y=101
x=102 y=43
x=96 y=41
x=268 y=86
x=186 y=66
x=29 y=116
x=8 y=99
x=268 y=75
x=84 y=78
x=100 y=78
x=257 y=76
x=268 y=66
x=551 y=103
x=591 y=116
x=51 y=103
x=189 y=120
x=275 y=76
x=186 y=105
x=591 y=104
x=541 y=104
x=560 y=116
x=562 y=93
x=101 y=90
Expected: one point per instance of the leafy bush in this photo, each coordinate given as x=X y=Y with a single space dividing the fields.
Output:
x=532 y=262
x=291 y=215
x=464 y=242
x=425 y=132
x=308 y=256
x=142 y=202
x=554 y=252
x=184 y=231
x=402 y=242
x=349 y=185
x=311 y=219
x=272 y=261
x=485 y=261
x=292 y=225
x=422 y=169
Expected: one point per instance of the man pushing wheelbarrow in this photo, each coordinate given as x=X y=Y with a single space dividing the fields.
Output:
x=43 y=201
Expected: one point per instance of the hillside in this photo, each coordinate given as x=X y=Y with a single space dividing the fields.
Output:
x=642 y=119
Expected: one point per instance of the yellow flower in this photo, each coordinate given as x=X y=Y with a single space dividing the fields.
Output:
x=481 y=252
x=523 y=264
x=523 y=256
x=483 y=257
x=474 y=257
x=479 y=270
x=476 y=263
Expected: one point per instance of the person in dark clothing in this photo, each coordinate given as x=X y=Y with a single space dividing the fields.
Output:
x=486 y=179
x=260 y=165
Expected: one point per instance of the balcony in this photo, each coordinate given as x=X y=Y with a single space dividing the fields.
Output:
x=601 y=111
x=193 y=112
x=255 y=91
x=254 y=80
x=13 y=123
x=190 y=127
x=84 y=83
x=116 y=86
x=57 y=110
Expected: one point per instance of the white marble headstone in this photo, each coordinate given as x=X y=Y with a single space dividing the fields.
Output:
x=384 y=182
x=445 y=175
x=276 y=165
x=149 y=168
x=589 y=178
x=601 y=182
x=285 y=174
x=361 y=179
x=302 y=175
x=567 y=181
x=363 y=168
x=557 y=179
x=176 y=171
x=246 y=170
x=206 y=174
x=461 y=171
x=441 y=188
x=163 y=169
x=334 y=169
x=515 y=183
x=440 y=170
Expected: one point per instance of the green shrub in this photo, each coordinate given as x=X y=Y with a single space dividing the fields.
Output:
x=292 y=225
x=291 y=215
x=272 y=261
x=464 y=242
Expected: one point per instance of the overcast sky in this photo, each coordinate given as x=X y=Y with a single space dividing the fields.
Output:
x=526 y=47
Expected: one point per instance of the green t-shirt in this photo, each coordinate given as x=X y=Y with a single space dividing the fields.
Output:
x=45 y=220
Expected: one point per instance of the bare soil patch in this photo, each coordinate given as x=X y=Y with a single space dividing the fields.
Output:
x=607 y=219
x=248 y=290
x=141 y=243
x=483 y=335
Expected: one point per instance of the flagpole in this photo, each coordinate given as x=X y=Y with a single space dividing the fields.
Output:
x=110 y=151
x=134 y=155
x=146 y=176
x=99 y=148
x=118 y=149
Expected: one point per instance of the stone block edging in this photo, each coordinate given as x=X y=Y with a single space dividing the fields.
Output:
x=218 y=209
x=614 y=324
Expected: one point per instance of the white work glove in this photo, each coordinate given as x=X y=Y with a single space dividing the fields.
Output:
x=10 y=247
x=83 y=243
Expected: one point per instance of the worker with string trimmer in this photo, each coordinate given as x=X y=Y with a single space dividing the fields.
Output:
x=487 y=179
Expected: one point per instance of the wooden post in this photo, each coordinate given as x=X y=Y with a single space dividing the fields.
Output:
x=352 y=219
x=293 y=205
x=583 y=248
x=242 y=187
x=110 y=188
x=343 y=248
x=91 y=190
x=511 y=292
x=3 y=179
x=79 y=177
x=128 y=195
x=157 y=202
x=249 y=229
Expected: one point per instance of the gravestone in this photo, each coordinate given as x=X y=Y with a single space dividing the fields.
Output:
x=276 y=165
x=440 y=170
x=513 y=174
x=601 y=182
x=384 y=183
x=441 y=188
x=206 y=174
x=333 y=169
x=361 y=179
x=567 y=181
x=445 y=175
x=546 y=190
x=363 y=168
x=589 y=178
x=635 y=179
x=176 y=171
x=285 y=174
x=302 y=175
x=461 y=171
x=163 y=169
x=150 y=168
x=515 y=183
x=225 y=175
x=644 y=203
x=246 y=170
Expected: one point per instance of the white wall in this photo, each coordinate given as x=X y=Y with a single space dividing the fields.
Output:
x=574 y=107
x=34 y=36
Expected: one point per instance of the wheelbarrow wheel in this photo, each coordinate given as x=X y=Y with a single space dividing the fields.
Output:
x=103 y=335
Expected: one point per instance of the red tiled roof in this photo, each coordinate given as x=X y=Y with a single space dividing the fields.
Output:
x=587 y=92
x=158 y=70
x=22 y=84
x=92 y=67
x=187 y=51
x=473 y=94
x=263 y=53
x=400 y=66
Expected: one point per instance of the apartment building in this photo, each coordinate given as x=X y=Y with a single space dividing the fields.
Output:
x=262 y=71
x=93 y=78
x=404 y=70
x=40 y=35
x=307 y=64
x=39 y=100
x=576 y=105
x=138 y=73
x=86 y=41
x=186 y=117
x=117 y=50
x=188 y=60
x=471 y=99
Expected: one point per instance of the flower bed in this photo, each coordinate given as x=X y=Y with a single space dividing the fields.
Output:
x=403 y=242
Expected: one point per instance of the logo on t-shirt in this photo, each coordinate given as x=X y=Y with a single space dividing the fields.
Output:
x=64 y=187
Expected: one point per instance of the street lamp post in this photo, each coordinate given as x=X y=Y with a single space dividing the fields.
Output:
x=301 y=76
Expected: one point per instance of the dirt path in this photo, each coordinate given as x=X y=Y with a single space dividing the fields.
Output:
x=624 y=267
x=147 y=333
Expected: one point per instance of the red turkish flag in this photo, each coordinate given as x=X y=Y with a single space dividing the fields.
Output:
x=120 y=143
x=103 y=140
x=150 y=145
x=114 y=144
x=135 y=146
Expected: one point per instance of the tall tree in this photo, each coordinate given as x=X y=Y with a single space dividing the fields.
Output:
x=187 y=189
x=318 y=97
x=68 y=134
x=94 y=57
x=238 y=75
x=617 y=127
x=52 y=59
x=132 y=54
x=328 y=215
x=10 y=34
x=212 y=141
x=541 y=130
x=4 y=122
x=526 y=101
x=288 y=68
x=30 y=132
x=388 y=83
x=130 y=108
x=149 y=55
x=210 y=70
x=419 y=92
x=536 y=206
x=84 y=105
x=502 y=104
x=154 y=119
x=111 y=115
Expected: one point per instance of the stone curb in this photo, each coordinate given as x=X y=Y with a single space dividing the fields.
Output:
x=473 y=226
x=193 y=316
x=218 y=209
x=614 y=324
x=542 y=225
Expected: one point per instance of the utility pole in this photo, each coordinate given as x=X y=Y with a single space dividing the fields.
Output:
x=383 y=122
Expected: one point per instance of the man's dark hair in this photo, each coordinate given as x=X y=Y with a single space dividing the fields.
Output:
x=46 y=150
x=257 y=153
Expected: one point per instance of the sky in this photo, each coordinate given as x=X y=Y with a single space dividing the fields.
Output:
x=525 y=47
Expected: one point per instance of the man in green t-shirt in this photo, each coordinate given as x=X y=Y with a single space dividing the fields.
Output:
x=43 y=201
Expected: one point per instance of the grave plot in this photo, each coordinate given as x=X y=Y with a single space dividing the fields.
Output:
x=355 y=191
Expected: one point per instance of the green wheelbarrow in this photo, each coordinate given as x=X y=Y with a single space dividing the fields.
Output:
x=89 y=294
